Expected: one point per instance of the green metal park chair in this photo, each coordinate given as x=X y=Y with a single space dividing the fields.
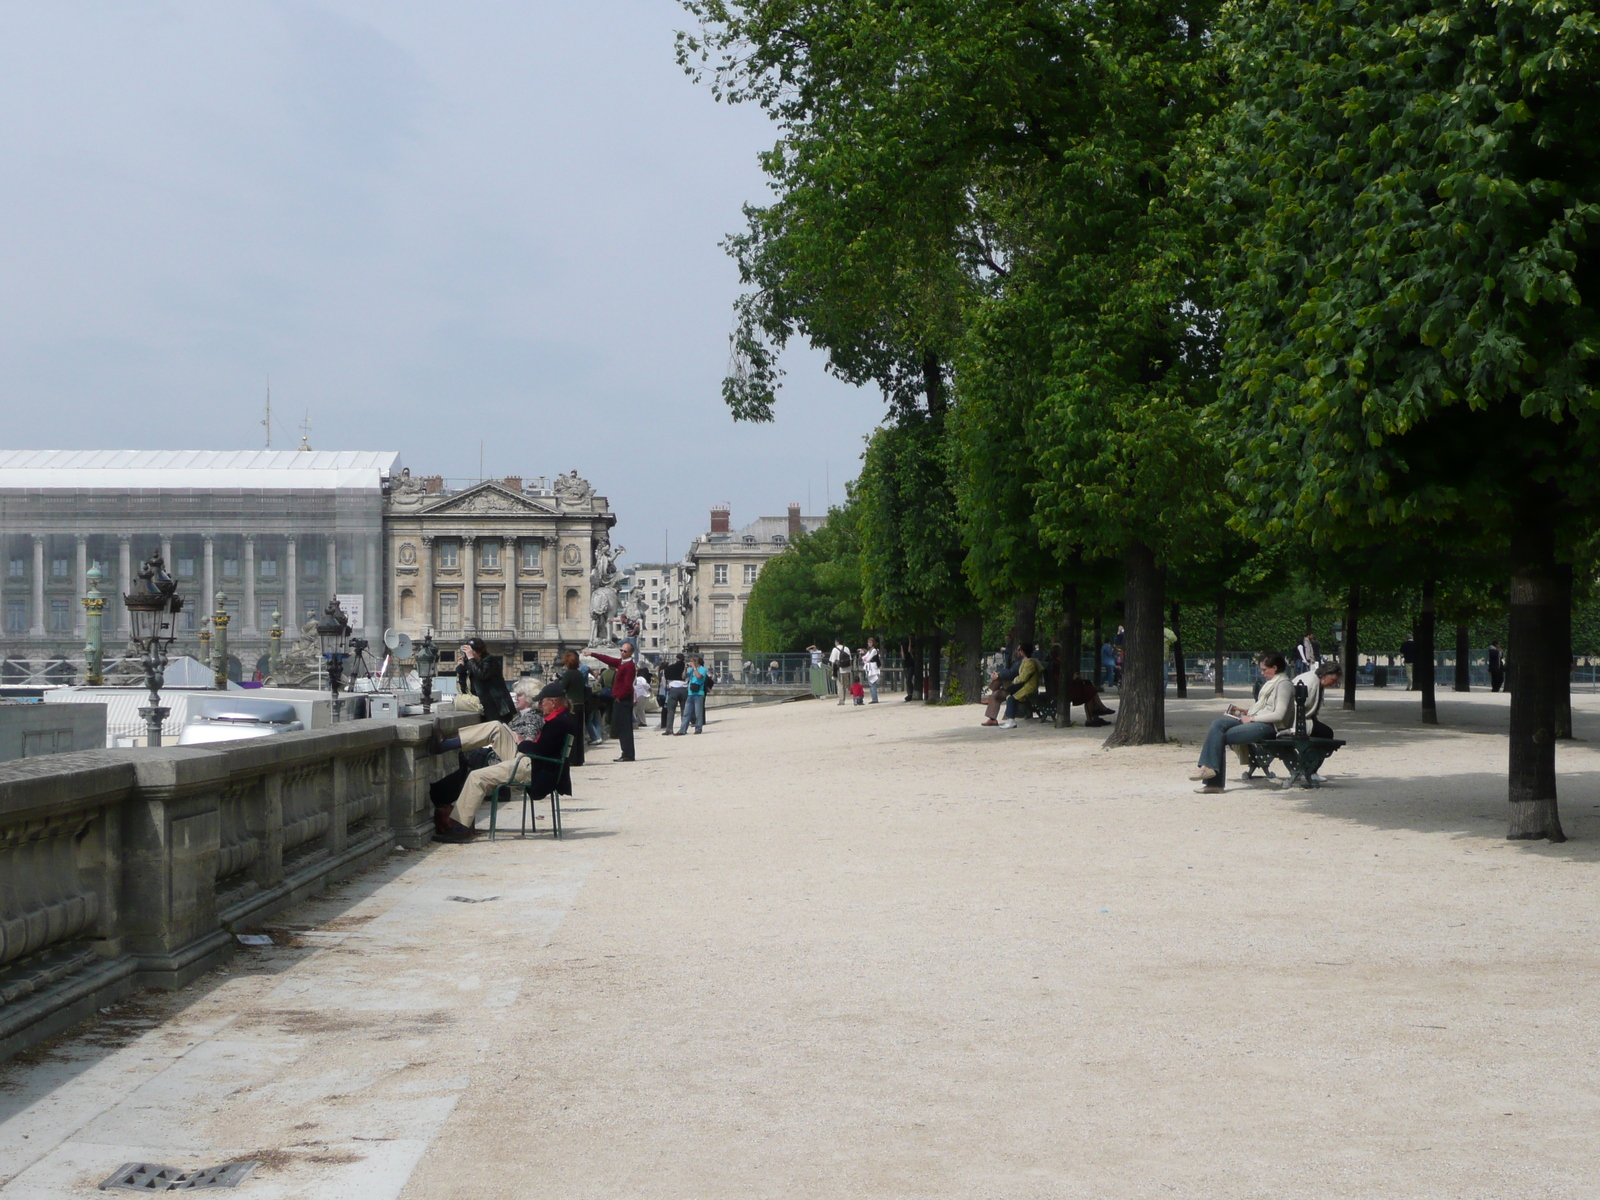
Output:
x=503 y=792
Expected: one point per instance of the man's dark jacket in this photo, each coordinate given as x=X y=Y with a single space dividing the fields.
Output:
x=548 y=745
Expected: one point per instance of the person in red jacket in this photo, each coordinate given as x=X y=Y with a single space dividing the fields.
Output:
x=621 y=697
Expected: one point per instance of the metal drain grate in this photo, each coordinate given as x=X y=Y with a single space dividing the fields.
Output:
x=153 y=1177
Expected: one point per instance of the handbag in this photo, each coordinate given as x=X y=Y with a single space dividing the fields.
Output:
x=466 y=702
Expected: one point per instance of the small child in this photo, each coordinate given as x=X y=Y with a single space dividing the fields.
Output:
x=857 y=691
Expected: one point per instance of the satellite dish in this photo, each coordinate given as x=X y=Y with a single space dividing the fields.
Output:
x=401 y=647
x=391 y=638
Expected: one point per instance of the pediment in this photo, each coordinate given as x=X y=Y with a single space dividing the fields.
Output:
x=487 y=499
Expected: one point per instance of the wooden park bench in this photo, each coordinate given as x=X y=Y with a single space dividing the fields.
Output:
x=1301 y=753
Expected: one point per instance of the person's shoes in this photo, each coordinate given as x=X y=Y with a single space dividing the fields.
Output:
x=623 y=758
x=1106 y=712
x=1315 y=778
x=442 y=745
x=991 y=722
x=1210 y=789
x=456 y=834
x=697 y=732
x=1203 y=773
x=1008 y=724
x=666 y=733
x=1095 y=723
x=680 y=733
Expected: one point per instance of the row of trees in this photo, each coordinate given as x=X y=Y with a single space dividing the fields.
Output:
x=1192 y=297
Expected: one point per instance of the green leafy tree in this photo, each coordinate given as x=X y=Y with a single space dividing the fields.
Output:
x=1413 y=324
x=811 y=593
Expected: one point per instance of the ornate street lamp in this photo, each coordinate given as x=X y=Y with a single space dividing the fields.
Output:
x=426 y=656
x=153 y=608
x=333 y=631
x=94 y=647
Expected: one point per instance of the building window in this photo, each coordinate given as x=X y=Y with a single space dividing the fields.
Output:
x=654 y=642
x=572 y=605
x=489 y=610
x=450 y=612
x=749 y=539
x=530 y=556
x=719 y=573
x=18 y=568
x=750 y=570
x=186 y=568
x=230 y=568
x=491 y=556
x=532 y=610
x=59 y=568
x=721 y=620
x=447 y=555
x=778 y=539
x=264 y=611
x=269 y=568
x=408 y=604
x=60 y=616
x=312 y=567
x=347 y=568
x=16 y=616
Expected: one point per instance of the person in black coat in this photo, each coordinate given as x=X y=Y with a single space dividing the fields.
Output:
x=560 y=723
x=456 y=797
x=576 y=692
x=479 y=674
x=1497 y=667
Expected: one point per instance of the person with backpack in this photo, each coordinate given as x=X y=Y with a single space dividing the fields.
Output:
x=839 y=659
x=699 y=683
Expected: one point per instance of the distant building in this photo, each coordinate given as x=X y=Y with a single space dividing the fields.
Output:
x=648 y=589
x=714 y=581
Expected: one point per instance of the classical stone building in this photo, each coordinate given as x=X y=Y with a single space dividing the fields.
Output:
x=284 y=531
x=515 y=564
x=650 y=593
x=273 y=530
x=714 y=581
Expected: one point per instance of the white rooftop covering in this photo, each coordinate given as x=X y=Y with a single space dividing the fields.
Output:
x=207 y=469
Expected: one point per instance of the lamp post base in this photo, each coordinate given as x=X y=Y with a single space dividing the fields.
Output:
x=154 y=718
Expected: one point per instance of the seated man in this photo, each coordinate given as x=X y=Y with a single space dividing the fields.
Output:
x=1273 y=709
x=1317 y=680
x=455 y=824
x=999 y=685
x=1081 y=691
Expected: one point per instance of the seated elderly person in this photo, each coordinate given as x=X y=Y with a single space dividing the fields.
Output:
x=1317 y=681
x=1080 y=691
x=1272 y=710
x=529 y=730
x=999 y=686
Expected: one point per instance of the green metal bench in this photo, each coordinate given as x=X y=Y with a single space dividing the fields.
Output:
x=502 y=794
x=1301 y=753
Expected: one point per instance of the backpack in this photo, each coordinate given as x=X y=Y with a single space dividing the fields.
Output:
x=709 y=682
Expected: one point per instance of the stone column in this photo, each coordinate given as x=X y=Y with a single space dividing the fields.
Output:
x=469 y=585
x=511 y=566
x=374 y=606
x=552 y=587
x=79 y=627
x=291 y=589
x=333 y=569
x=37 y=628
x=248 y=628
x=209 y=569
x=166 y=554
x=125 y=574
x=425 y=583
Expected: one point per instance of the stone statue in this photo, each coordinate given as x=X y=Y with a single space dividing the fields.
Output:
x=572 y=491
x=302 y=661
x=406 y=492
x=603 y=577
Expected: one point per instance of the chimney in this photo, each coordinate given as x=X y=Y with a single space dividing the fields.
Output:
x=794 y=521
x=434 y=483
x=514 y=482
x=719 y=518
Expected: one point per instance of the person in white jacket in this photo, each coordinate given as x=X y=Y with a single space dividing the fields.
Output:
x=1272 y=711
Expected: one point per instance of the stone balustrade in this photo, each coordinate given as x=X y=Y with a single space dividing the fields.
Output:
x=122 y=869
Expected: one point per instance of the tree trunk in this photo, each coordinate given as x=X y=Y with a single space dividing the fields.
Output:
x=1430 y=709
x=967 y=675
x=1535 y=638
x=1219 y=663
x=1181 y=680
x=1352 y=649
x=1563 y=652
x=1141 y=711
x=1463 y=659
x=1071 y=654
x=930 y=689
x=1026 y=618
x=1099 y=666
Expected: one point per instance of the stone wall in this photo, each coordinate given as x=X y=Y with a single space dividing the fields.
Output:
x=122 y=869
x=29 y=730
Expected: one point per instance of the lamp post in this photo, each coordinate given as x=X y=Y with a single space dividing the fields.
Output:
x=219 y=627
x=94 y=604
x=153 y=608
x=426 y=657
x=275 y=651
x=333 y=631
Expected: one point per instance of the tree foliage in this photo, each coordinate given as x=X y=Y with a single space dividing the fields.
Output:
x=811 y=593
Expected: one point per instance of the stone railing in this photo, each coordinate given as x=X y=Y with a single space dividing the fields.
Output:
x=122 y=869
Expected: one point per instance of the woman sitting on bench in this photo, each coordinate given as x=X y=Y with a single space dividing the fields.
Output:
x=1273 y=709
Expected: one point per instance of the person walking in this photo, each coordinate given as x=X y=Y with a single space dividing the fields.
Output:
x=872 y=665
x=625 y=668
x=1408 y=655
x=676 y=695
x=695 y=710
x=839 y=658
x=1497 y=667
x=1108 y=664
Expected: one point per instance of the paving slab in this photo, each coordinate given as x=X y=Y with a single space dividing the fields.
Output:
x=884 y=952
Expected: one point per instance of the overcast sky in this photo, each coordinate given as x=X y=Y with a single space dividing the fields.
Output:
x=433 y=225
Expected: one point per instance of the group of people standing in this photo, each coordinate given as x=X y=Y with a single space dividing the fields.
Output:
x=853 y=674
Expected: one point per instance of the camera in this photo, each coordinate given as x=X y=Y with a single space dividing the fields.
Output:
x=358 y=645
